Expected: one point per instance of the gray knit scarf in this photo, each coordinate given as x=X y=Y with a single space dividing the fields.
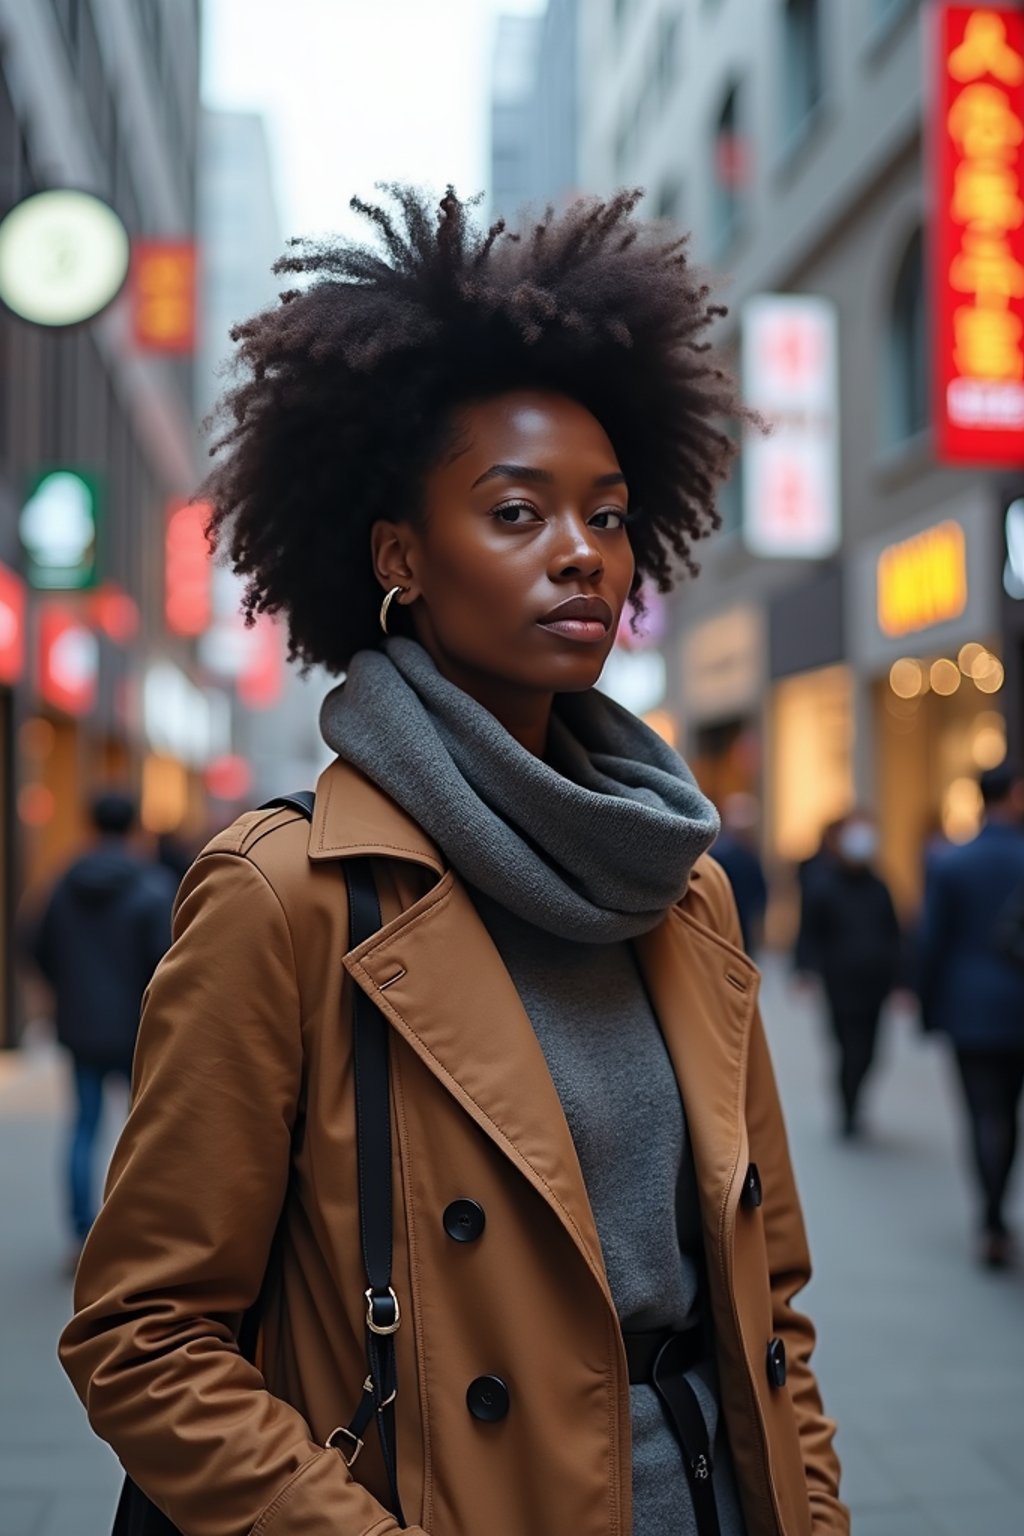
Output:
x=594 y=843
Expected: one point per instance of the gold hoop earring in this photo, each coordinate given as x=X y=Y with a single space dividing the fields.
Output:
x=386 y=604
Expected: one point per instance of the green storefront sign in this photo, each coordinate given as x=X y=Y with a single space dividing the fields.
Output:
x=59 y=528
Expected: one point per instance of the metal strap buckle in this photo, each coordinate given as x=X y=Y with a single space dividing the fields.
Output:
x=368 y=1387
x=330 y=1445
x=381 y=1328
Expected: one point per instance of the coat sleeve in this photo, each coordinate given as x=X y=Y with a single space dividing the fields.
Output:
x=789 y=1267
x=179 y=1249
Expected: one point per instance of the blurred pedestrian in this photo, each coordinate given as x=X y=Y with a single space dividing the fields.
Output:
x=98 y=939
x=972 y=987
x=448 y=424
x=853 y=938
x=736 y=851
x=805 y=962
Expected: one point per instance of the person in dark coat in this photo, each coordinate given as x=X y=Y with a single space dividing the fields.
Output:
x=972 y=987
x=853 y=939
x=805 y=963
x=97 y=942
x=736 y=851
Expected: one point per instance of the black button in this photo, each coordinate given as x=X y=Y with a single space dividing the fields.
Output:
x=487 y=1399
x=752 y=1195
x=464 y=1220
x=777 y=1363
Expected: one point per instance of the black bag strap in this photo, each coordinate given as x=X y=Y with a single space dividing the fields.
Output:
x=136 y=1514
x=373 y=1157
x=373 y=1152
x=303 y=801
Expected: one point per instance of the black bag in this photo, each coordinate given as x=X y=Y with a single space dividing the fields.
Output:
x=136 y=1514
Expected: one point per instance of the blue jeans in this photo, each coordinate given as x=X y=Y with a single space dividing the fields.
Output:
x=82 y=1152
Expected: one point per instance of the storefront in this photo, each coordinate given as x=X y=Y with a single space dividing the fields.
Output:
x=925 y=634
x=722 y=689
x=809 y=779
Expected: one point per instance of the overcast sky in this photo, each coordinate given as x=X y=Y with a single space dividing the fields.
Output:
x=358 y=91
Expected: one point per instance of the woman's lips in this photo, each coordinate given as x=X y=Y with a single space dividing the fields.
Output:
x=587 y=619
x=586 y=631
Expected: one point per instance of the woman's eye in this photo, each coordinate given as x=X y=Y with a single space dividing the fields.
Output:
x=610 y=517
x=515 y=512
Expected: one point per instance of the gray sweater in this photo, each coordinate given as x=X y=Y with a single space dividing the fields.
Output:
x=566 y=860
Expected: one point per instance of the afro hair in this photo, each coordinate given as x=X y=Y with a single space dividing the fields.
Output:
x=345 y=392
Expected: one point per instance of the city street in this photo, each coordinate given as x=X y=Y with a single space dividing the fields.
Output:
x=921 y=1355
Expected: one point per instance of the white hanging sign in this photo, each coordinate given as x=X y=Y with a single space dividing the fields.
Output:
x=791 y=475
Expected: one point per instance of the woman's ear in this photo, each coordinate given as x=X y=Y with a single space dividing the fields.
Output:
x=393 y=558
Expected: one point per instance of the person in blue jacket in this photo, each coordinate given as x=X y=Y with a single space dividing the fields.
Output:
x=972 y=986
x=97 y=941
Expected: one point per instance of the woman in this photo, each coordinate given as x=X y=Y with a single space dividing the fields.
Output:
x=503 y=436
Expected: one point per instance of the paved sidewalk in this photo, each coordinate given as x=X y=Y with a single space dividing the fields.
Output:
x=56 y=1479
x=921 y=1355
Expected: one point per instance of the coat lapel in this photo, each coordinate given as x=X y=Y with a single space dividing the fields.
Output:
x=436 y=975
x=703 y=992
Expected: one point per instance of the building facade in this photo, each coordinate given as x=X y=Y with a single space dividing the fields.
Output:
x=99 y=95
x=787 y=136
x=534 y=109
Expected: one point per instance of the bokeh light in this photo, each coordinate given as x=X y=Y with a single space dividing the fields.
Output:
x=944 y=676
x=907 y=678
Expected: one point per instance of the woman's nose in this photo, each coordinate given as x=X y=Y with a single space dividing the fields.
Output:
x=577 y=554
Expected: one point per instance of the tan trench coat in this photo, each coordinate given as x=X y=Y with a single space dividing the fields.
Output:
x=242 y=1129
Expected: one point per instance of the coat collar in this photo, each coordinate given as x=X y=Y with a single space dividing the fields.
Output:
x=434 y=971
x=353 y=817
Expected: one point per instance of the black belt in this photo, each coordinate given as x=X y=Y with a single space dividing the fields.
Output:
x=661 y=1360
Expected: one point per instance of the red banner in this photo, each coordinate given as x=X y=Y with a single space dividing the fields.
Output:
x=978 y=244
x=164 y=295
x=12 y=626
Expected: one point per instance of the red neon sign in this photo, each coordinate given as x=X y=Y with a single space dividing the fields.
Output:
x=68 y=660
x=978 y=246
x=12 y=626
x=188 y=574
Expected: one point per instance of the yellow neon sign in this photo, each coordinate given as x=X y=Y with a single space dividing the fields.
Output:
x=922 y=580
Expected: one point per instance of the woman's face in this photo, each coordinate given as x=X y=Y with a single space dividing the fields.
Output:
x=519 y=570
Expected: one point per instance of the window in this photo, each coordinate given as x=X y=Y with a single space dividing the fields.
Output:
x=803 y=66
x=729 y=172
x=907 y=394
